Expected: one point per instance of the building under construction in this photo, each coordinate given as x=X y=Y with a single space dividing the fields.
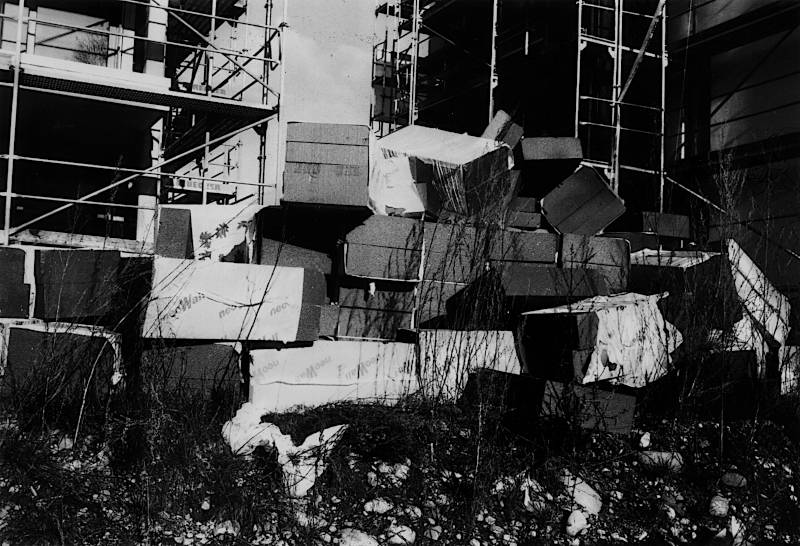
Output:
x=384 y=188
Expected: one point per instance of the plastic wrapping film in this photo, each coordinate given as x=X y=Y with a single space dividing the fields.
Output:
x=467 y=170
x=633 y=341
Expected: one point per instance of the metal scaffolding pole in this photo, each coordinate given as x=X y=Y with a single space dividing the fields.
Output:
x=493 y=62
x=662 y=117
x=412 y=98
x=12 y=132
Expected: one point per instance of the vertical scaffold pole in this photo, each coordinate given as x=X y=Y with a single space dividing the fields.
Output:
x=663 y=128
x=578 y=69
x=617 y=106
x=12 y=132
x=412 y=95
x=493 y=63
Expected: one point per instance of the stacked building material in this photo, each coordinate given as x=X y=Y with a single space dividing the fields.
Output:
x=327 y=164
x=68 y=356
x=198 y=300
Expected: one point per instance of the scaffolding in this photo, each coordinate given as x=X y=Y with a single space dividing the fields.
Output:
x=159 y=65
x=620 y=74
x=612 y=106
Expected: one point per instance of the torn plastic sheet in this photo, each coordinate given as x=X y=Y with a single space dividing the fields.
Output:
x=301 y=465
x=760 y=298
x=392 y=186
x=633 y=342
x=463 y=166
x=332 y=371
x=447 y=357
x=217 y=229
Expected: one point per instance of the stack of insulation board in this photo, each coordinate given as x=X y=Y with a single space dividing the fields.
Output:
x=55 y=308
x=327 y=164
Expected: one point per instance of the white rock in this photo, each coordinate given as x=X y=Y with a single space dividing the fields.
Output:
x=372 y=479
x=384 y=468
x=354 y=537
x=582 y=493
x=644 y=441
x=378 y=506
x=576 y=523
x=719 y=506
x=401 y=471
x=533 y=493
x=474 y=542
x=227 y=527
x=400 y=534
x=737 y=532
x=733 y=479
x=206 y=505
x=670 y=460
x=433 y=533
x=65 y=444
x=413 y=512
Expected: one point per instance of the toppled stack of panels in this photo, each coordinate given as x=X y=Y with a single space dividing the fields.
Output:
x=327 y=164
x=15 y=293
x=622 y=338
x=689 y=277
x=78 y=355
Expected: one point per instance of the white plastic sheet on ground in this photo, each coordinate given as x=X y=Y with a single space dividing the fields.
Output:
x=448 y=356
x=760 y=298
x=633 y=343
x=209 y=300
x=332 y=371
x=301 y=465
x=217 y=229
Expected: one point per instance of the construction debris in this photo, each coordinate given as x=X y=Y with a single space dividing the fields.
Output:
x=468 y=171
x=301 y=465
x=622 y=338
x=327 y=164
x=196 y=300
x=332 y=371
x=583 y=204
